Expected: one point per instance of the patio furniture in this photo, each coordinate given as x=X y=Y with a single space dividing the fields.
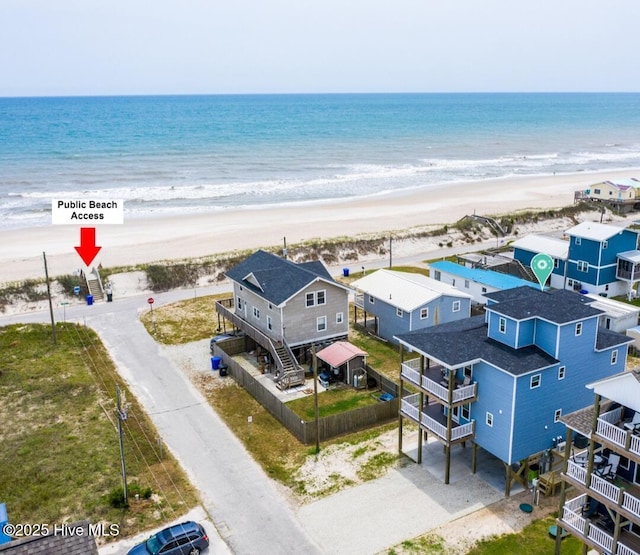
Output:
x=634 y=423
x=464 y=383
x=582 y=459
x=603 y=471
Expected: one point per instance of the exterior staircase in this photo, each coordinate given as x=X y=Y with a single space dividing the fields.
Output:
x=95 y=285
x=291 y=372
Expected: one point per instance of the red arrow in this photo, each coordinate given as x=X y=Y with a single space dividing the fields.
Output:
x=87 y=249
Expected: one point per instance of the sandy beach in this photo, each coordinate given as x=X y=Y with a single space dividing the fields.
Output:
x=156 y=239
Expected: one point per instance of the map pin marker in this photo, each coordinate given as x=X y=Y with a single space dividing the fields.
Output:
x=542 y=266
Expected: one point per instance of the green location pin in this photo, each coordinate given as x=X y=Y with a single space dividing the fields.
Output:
x=542 y=266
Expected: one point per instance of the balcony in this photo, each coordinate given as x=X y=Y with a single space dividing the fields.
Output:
x=432 y=382
x=359 y=300
x=596 y=530
x=433 y=420
x=610 y=428
x=620 y=494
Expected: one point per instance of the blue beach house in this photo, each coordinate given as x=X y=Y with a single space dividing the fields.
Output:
x=401 y=302
x=503 y=380
x=478 y=282
x=525 y=248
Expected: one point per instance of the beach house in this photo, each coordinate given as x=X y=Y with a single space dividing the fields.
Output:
x=285 y=306
x=503 y=380
x=477 y=282
x=525 y=248
x=600 y=503
x=400 y=302
x=623 y=194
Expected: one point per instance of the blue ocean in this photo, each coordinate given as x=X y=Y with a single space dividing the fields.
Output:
x=184 y=154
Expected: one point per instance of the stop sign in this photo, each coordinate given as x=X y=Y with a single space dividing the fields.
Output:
x=150 y=300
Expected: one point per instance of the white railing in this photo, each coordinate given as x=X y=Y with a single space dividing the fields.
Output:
x=434 y=426
x=631 y=503
x=410 y=406
x=359 y=300
x=577 y=503
x=607 y=489
x=611 y=432
x=462 y=431
x=634 y=445
x=466 y=392
x=624 y=550
x=601 y=538
x=413 y=364
x=410 y=374
x=434 y=387
x=577 y=472
x=574 y=520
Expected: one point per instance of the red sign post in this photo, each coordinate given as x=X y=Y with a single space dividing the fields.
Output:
x=150 y=301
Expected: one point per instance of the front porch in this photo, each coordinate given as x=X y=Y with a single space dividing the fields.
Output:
x=434 y=381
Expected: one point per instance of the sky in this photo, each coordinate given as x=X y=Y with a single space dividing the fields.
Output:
x=106 y=47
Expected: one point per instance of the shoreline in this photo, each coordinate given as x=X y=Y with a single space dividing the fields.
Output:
x=150 y=239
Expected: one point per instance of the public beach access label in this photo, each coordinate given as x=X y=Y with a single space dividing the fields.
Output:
x=87 y=211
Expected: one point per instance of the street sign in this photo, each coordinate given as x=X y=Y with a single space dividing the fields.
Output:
x=76 y=289
x=150 y=300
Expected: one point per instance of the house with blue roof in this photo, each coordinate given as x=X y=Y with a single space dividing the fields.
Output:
x=477 y=282
x=400 y=302
x=503 y=380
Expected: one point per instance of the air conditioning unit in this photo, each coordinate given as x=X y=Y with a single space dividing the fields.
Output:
x=577 y=286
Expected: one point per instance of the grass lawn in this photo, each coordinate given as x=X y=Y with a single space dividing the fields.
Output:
x=60 y=456
x=332 y=401
x=183 y=321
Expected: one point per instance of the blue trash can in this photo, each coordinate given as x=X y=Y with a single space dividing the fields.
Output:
x=345 y=272
x=215 y=362
x=89 y=300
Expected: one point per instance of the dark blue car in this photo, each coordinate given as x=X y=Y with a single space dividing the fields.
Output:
x=188 y=538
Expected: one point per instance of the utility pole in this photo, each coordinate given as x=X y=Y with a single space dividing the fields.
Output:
x=122 y=416
x=46 y=274
x=284 y=249
x=315 y=395
x=390 y=252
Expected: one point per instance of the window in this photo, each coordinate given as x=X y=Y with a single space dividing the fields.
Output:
x=607 y=323
x=311 y=299
x=583 y=266
x=256 y=313
x=455 y=307
x=466 y=284
x=339 y=317
x=453 y=282
x=467 y=371
x=437 y=275
x=596 y=191
x=556 y=263
x=570 y=282
x=270 y=306
x=399 y=312
x=502 y=325
x=321 y=323
x=561 y=372
x=557 y=415
x=424 y=313
x=489 y=420
x=269 y=323
x=466 y=411
x=239 y=303
x=578 y=240
x=321 y=297
x=578 y=328
x=372 y=300
x=535 y=381
x=614 y=356
x=484 y=289
x=605 y=244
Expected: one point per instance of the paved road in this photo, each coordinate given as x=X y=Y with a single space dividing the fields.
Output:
x=249 y=513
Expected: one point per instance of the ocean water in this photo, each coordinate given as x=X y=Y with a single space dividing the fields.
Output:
x=183 y=154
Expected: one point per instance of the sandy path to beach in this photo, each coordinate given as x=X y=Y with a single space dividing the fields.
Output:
x=154 y=239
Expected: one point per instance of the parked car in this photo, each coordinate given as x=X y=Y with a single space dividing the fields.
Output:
x=187 y=538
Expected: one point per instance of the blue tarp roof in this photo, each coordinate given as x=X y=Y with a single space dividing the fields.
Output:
x=485 y=277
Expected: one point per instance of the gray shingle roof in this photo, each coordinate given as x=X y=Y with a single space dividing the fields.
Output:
x=457 y=343
x=279 y=279
x=558 y=306
x=54 y=544
x=607 y=338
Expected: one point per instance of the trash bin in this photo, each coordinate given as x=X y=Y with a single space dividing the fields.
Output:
x=109 y=297
x=215 y=362
x=534 y=472
x=223 y=369
x=89 y=300
x=345 y=272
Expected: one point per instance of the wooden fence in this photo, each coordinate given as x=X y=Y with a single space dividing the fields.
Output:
x=305 y=431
